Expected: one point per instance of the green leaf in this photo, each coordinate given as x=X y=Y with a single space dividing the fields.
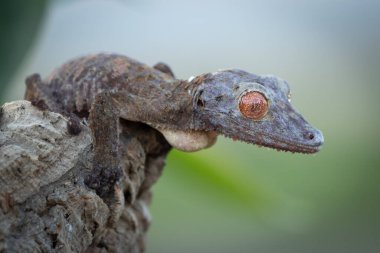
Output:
x=214 y=175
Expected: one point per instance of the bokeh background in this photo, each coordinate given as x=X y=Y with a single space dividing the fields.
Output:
x=237 y=197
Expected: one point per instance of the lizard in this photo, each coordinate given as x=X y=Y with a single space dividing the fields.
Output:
x=190 y=114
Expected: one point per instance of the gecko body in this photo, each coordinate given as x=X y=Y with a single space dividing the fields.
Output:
x=189 y=114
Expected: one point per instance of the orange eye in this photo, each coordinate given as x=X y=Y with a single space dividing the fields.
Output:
x=253 y=105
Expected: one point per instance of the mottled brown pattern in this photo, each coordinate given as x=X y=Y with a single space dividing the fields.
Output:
x=77 y=82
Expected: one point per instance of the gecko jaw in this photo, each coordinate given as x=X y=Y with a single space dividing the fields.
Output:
x=286 y=146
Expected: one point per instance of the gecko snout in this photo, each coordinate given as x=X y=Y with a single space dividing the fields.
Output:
x=314 y=137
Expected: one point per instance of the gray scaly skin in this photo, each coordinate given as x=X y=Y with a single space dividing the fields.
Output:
x=190 y=114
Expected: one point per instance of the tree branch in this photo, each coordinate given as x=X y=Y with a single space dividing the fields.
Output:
x=45 y=205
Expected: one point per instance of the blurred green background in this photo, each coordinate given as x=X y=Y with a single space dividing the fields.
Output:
x=237 y=197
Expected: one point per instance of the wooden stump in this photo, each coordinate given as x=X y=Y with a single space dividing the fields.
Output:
x=45 y=205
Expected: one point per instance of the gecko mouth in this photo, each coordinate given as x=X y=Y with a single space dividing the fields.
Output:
x=281 y=144
x=311 y=145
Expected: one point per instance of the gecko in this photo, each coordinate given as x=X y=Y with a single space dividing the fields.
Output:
x=190 y=114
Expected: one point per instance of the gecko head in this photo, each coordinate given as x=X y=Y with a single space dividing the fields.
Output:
x=253 y=109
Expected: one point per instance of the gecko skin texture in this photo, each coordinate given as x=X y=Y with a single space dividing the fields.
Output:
x=189 y=114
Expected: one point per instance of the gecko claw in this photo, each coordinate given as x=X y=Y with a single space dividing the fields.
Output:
x=40 y=104
x=73 y=125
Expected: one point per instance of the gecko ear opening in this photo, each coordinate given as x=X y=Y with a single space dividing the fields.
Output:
x=189 y=141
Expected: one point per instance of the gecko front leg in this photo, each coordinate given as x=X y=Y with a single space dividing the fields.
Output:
x=104 y=122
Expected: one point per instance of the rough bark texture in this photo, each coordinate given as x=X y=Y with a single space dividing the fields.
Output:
x=45 y=205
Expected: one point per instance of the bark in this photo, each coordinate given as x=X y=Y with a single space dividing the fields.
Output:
x=45 y=205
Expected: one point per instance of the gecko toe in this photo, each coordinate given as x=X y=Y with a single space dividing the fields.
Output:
x=73 y=125
x=103 y=180
x=40 y=104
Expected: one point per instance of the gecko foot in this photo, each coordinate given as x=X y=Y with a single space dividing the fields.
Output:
x=103 y=180
x=40 y=104
x=73 y=124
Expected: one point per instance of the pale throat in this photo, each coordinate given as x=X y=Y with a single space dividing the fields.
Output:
x=189 y=141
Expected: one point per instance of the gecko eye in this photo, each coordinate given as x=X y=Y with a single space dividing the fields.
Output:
x=253 y=105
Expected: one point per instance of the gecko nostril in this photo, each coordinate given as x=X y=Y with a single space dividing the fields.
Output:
x=309 y=135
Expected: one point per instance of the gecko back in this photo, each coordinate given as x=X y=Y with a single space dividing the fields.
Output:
x=72 y=87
